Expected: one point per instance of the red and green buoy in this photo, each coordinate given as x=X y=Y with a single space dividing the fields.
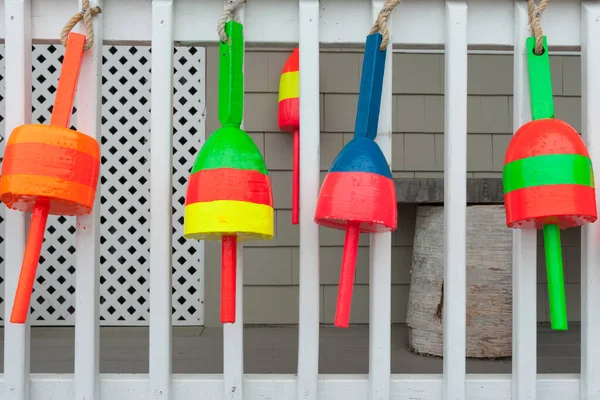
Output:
x=548 y=179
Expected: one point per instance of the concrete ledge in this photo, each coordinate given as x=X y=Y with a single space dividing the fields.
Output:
x=479 y=190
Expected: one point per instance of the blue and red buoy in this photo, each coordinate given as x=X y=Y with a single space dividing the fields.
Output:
x=358 y=194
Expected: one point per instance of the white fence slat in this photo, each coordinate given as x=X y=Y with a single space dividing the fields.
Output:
x=233 y=334
x=310 y=291
x=524 y=364
x=590 y=239
x=87 y=256
x=161 y=142
x=455 y=200
x=380 y=281
x=17 y=34
x=201 y=244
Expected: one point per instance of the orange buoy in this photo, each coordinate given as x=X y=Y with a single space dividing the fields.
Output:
x=49 y=170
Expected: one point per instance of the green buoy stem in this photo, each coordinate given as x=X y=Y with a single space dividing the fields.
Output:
x=231 y=76
x=556 y=284
x=540 y=80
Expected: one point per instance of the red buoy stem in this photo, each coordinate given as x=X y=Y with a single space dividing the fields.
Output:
x=344 y=299
x=296 y=179
x=228 y=264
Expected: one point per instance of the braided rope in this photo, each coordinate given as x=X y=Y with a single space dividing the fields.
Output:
x=86 y=15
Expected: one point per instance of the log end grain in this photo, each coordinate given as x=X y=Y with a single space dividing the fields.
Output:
x=489 y=283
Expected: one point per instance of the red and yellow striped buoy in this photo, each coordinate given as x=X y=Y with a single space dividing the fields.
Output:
x=289 y=120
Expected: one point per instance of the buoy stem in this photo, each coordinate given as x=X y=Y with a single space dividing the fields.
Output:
x=35 y=238
x=371 y=86
x=67 y=81
x=231 y=76
x=540 y=80
x=344 y=299
x=296 y=179
x=228 y=278
x=556 y=284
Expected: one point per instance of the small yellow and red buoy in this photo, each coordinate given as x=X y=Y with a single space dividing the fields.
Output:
x=289 y=120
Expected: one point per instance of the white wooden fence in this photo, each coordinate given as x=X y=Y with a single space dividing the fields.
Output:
x=455 y=24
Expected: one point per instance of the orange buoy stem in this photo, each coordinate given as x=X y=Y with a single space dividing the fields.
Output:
x=61 y=116
x=67 y=81
x=344 y=299
x=30 y=261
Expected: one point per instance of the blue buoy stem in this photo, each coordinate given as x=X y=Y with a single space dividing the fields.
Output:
x=371 y=85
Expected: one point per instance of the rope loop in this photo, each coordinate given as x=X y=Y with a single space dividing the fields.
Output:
x=381 y=23
x=84 y=15
x=535 y=25
x=229 y=13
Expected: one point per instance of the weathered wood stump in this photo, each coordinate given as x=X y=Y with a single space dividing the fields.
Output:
x=489 y=283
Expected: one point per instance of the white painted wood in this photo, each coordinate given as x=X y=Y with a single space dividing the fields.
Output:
x=524 y=364
x=161 y=142
x=455 y=200
x=421 y=22
x=233 y=338
x=18 y=111
x=233 y=334
x=87 y=257
x=590 y=233
x=283 y=387
x=201 y=244
x=309 y=291
x=380 y=281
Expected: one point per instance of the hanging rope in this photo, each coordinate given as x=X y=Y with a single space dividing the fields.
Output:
x=229 y=13
x=535 y=25
x=86 y=15
x=381 y=23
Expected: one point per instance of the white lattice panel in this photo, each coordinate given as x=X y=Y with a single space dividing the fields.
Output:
x=124 y=190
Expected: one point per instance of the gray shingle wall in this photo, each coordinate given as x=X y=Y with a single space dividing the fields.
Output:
x=271 y=268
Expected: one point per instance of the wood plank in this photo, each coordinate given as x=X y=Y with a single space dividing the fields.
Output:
x=524 y=359
x=309 y=275
x=419 y=23
x=431 y=190
x=380 y=254
x=161 y=142
x=590 y=251
x=87 y=256
x=17 y=33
